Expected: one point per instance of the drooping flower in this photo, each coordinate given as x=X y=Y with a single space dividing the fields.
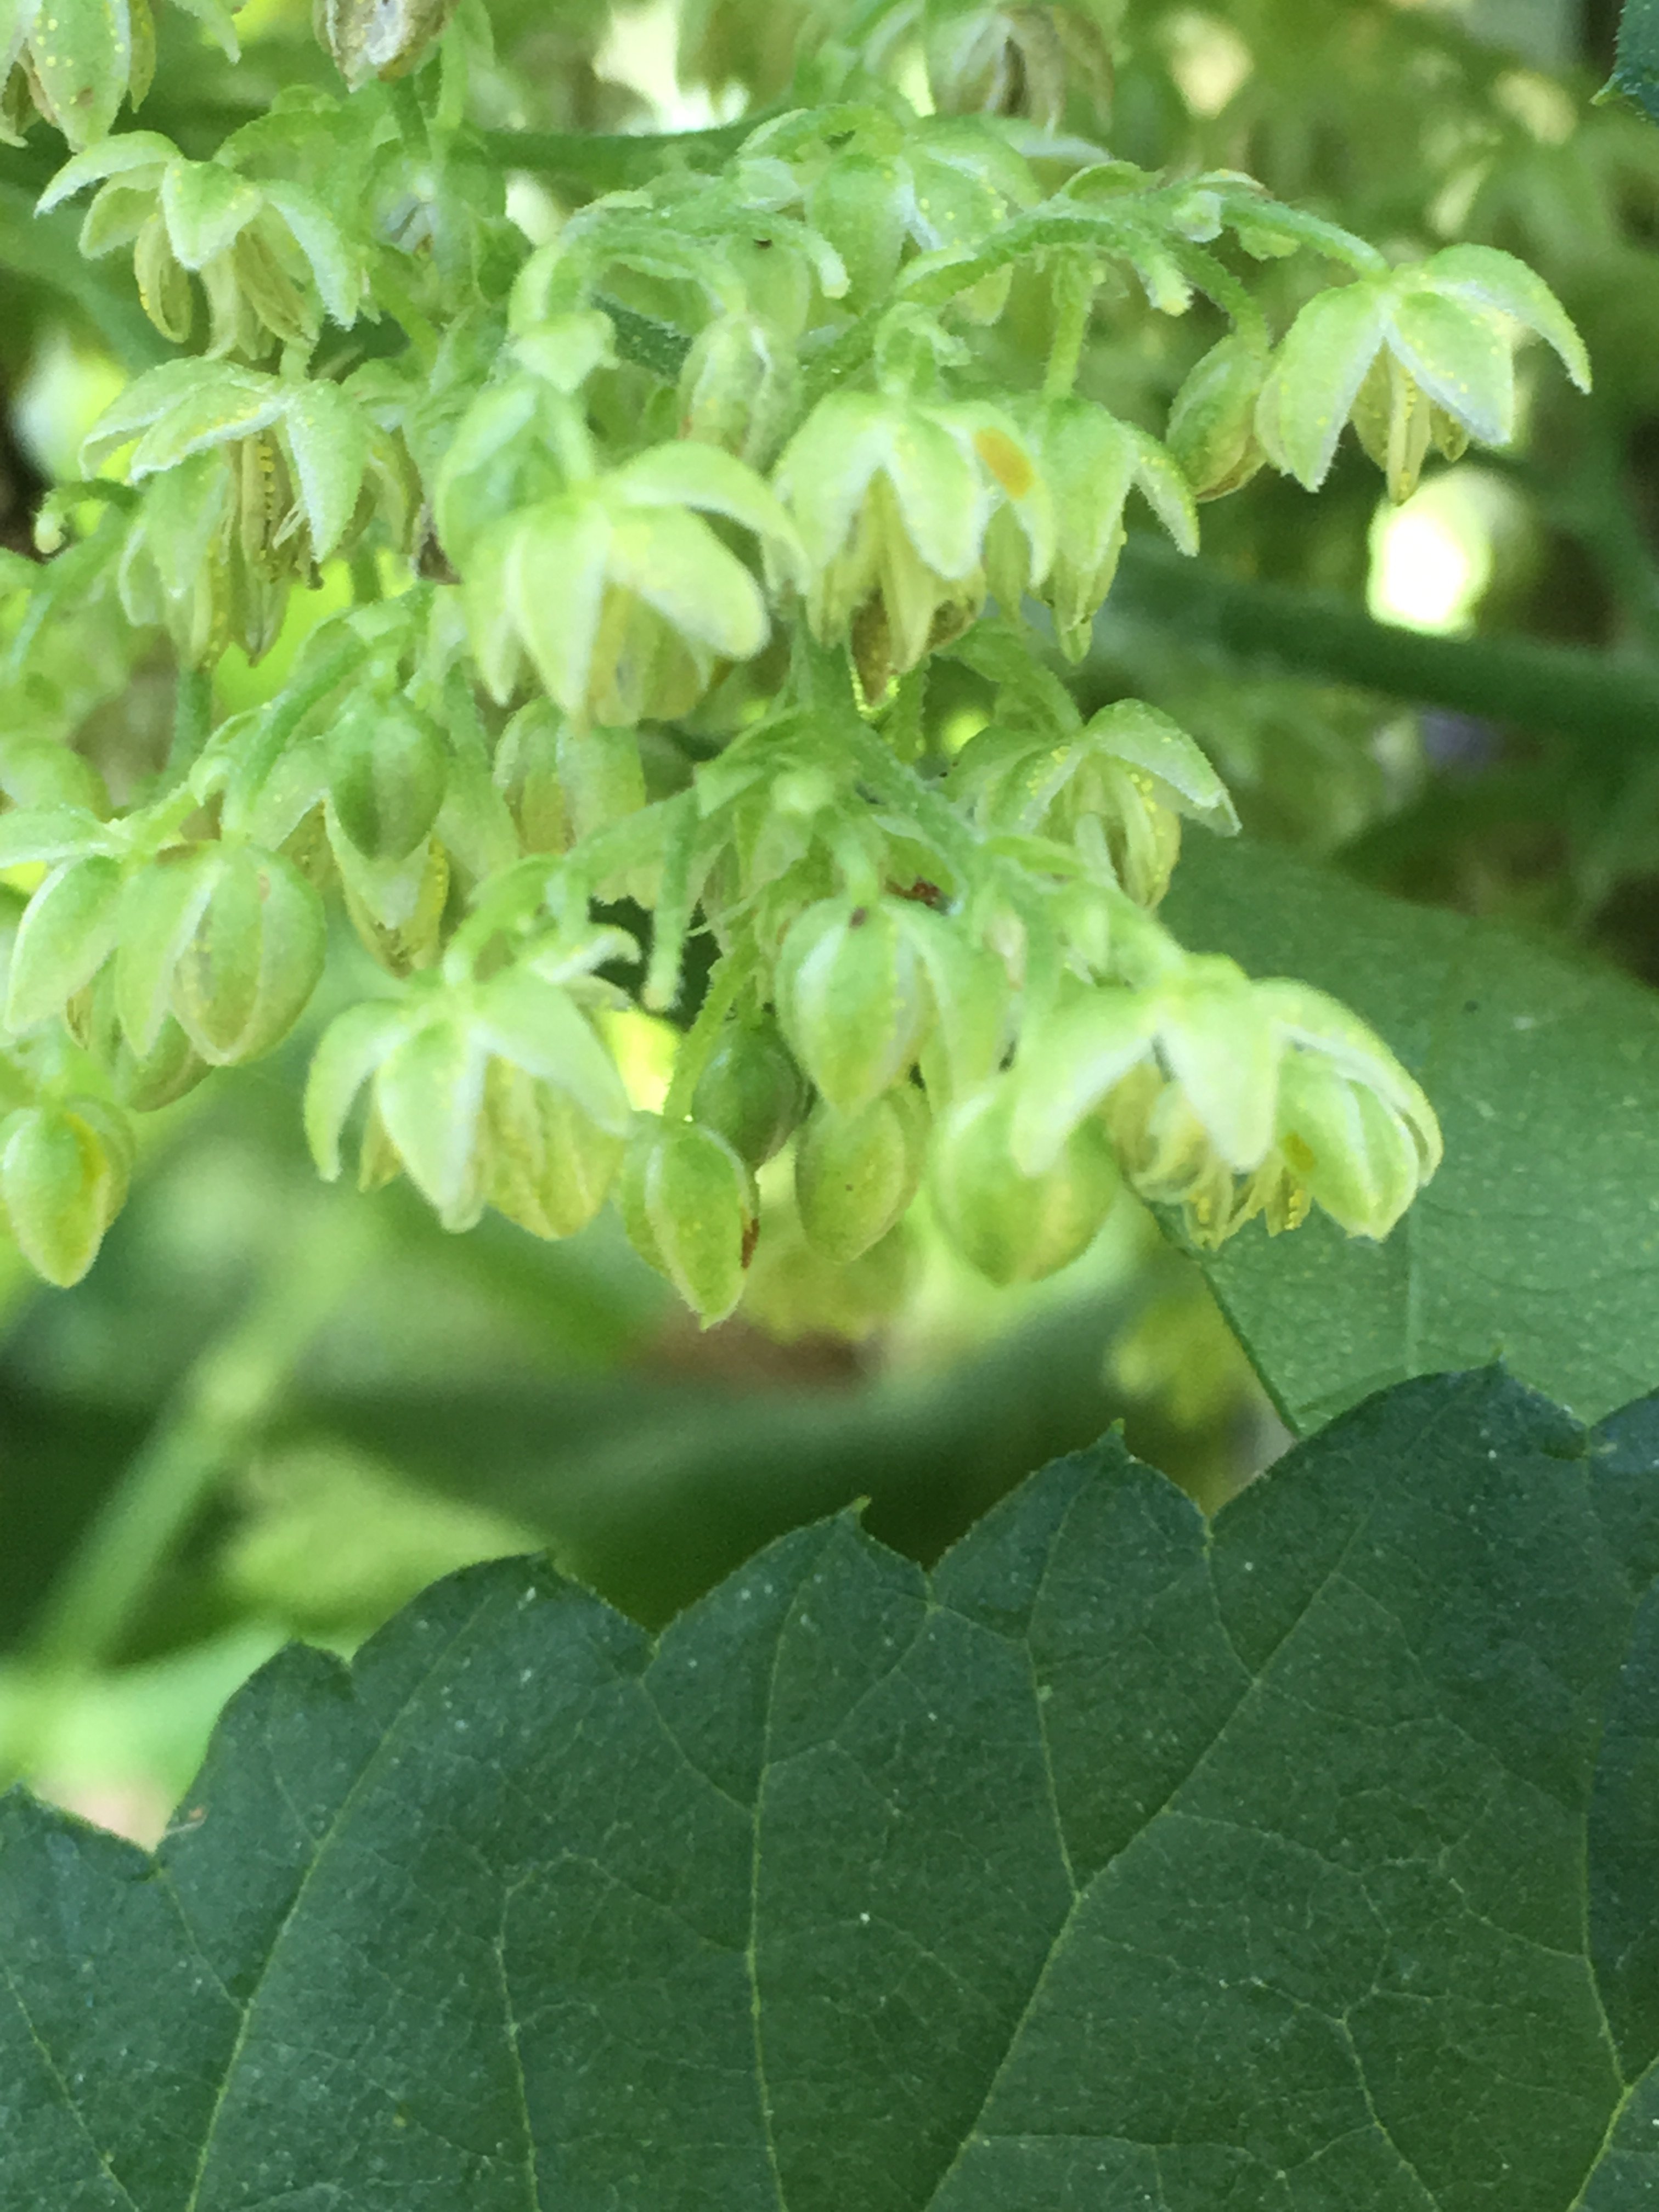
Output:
x=1229 y=1098
x=479 y=1092
x=1091 y=462
x=1413 y=357
x=1127 y=778
x=893 y=499
x=270 y=257
x=621 y=595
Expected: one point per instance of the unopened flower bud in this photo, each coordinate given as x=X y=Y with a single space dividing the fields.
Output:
x=1212 y=429
x=387 y=773
x=851 y=999
x=378 y=38
x=227 y=938
x=688 y=1205
x=143 y=1081
x=858 y=204
x=751 y=1092
x=737 y=388
x=1017 y=1228
x=67 y=932
x=248 y=970
x=855 y=1174
x=63 y=1178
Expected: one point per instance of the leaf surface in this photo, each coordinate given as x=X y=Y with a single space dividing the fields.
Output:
x=1538 y=1241
x=1305 y=1861
x=1636 y=71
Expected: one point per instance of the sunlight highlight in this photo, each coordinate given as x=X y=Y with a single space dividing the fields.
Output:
x=1432 y=559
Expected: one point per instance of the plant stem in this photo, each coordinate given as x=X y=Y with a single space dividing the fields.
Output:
x=192 y=722
x=215 y=1411
x=725 y=983
x=365 y=571
x=421 y=331
x=404 y=103
x=1604 y=705
x=609 y=161
x=1074 y=297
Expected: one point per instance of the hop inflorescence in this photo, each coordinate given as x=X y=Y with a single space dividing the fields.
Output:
x=679 y=541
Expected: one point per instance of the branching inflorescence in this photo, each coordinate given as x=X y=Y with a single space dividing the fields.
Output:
x=710 y=560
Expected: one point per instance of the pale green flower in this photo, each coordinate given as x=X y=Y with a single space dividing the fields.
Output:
x=1413 y=357
x=622 y=597
x=477 y=1089
x=1229 y=1098
x=1118 y=786
x=270 y=257
x=893 y=499
x=1090 y=463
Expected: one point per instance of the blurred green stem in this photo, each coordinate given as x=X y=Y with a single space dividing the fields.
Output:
x=591 y=161
x=1606 y=706
x=218 y=1408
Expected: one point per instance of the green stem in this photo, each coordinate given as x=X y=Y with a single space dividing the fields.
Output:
x=725 y=983
x=396 y=295
x=1074 y=299
x=587 y=162
x=365 y=572
x=1605 y=706
x=1217 y=282
x=900 y=786
x=600 y=161
x=1596 y=505
x=216 y=1410
x=192 y=722
x=405 y=103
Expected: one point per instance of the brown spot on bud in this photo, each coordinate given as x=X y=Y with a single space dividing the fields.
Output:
x=751 y=1238
x=858 y=917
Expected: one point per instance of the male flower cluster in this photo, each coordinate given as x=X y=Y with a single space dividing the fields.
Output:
x=1229 y=1099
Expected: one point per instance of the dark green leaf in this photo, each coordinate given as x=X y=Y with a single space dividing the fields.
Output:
x=1304 y=1863
x=1636 y=69
x=1538 y=1242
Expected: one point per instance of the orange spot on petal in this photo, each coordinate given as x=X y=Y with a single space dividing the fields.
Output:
x=1004 y=458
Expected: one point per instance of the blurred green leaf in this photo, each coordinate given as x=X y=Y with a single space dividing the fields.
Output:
x=334 y=1543
x=1127 y=1864
x=1538 y=1242
x=651 y=1482
x=43 y=249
